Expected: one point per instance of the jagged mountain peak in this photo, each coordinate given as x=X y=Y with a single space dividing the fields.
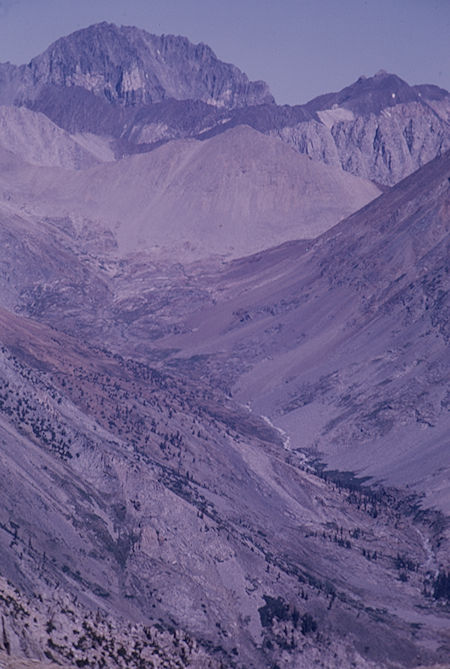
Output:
x=369 y=94
x=105 y=79
x=129 y=65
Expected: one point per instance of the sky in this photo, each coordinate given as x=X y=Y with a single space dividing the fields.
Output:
x=301 y=48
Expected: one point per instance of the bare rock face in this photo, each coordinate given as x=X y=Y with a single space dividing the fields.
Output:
x=15 y=82
x=379 y=128
x=437 y=98
x=144 y=89
x=129 y=66
x=383 y=128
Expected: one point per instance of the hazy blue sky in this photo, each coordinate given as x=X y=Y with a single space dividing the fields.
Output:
x=302 y=48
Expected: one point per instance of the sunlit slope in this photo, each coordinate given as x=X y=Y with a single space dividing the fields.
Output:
x=344 y=343
x=233 y=194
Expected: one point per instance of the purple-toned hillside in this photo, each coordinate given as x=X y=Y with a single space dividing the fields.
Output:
x=224 y=370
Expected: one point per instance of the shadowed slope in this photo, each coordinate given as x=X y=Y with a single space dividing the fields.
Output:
x=344 y=344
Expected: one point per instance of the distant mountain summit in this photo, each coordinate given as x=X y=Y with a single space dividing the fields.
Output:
x=137 y=90
x=369 y=95
x=130 y=66
x=381 y=127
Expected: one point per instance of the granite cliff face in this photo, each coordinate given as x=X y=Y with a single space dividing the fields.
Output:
x=130 y=66
x=141 y=89
x=384 y=129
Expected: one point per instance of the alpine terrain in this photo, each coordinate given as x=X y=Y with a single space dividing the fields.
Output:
x=224 y=369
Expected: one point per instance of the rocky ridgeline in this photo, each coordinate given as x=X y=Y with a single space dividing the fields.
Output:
x=140 y=89
x=382 y=144
x=130 y=66
x=384 y=147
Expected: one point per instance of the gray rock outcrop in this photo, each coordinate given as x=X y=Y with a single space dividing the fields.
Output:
x=130 y=66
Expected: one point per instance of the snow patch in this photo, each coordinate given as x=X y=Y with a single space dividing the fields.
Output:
x=215 y=103
x=153 y=132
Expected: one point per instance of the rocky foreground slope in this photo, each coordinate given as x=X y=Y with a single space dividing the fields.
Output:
x=136 y=488
x=146 y=496
x=215 y=463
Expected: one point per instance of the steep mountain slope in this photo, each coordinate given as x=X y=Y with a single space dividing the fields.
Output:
x=379 y=128
x=127 y=84
x=231 y=195
x=215 y=463
x=363 y=129
x=437 y=98
x=38 y=141
x=61 y=632
x=145 y=493
x=136 y=493
x=80 y=111
x=128 y=65
x=344 y=343
x=384 y=129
